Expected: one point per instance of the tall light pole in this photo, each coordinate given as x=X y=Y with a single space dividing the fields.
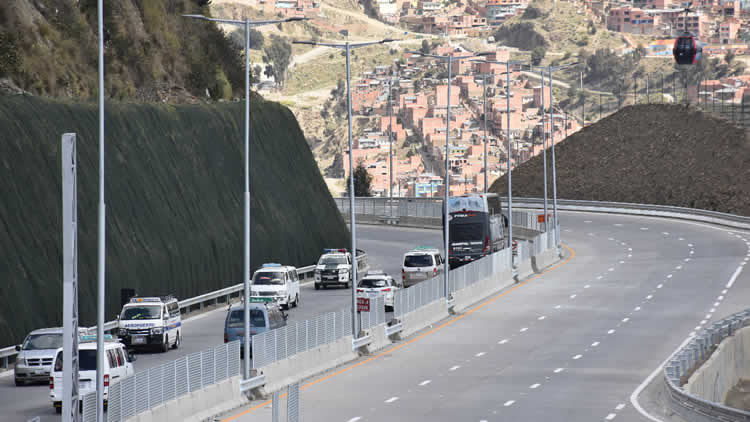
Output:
x=390 y=141
x=347 y=47
x=507 y=111
x=450 y=59
x=247 y=24
x=102 y=221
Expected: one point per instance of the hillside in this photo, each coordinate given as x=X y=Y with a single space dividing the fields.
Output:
x=152 y=53
x=651 y=154
x=174 y=183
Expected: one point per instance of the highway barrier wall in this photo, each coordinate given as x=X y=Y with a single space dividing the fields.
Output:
x=729 y=363
x=700 y=374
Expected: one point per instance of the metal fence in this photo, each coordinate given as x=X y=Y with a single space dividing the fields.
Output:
x=412 y=298
x=144 y=390
x=281 y=343
x=689 y=358
x=399 y=207
x=466 y=275
x=376 y=316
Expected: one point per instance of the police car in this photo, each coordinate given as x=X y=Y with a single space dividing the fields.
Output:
x=334 y=268
x=279 y=282
x=378 y=283
x=118 y=364
x=151 y=322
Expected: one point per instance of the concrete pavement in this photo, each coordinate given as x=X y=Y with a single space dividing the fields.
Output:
x=569 y=345
x=385 y=247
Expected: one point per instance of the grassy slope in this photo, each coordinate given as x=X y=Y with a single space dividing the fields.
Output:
x=174 y=202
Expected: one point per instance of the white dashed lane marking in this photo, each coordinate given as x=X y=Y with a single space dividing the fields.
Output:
x=354 y=419
x=479 y=355
x=610 y=416
x=425 y=382
x=558 y=370
x=391 y=400
x=594 y=344
x=576 y=357
x=533 y=386
x=541 y=318
x=611 y=332
x=523 y=329
x=509 y=403
x=502 y=341
x=453 y=368
x=620 y=406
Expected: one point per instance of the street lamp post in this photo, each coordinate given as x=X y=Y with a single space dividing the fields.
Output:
x=446 y=232
x=101 y=239
x=247 y=24
x=347 y=47
x=390 y=142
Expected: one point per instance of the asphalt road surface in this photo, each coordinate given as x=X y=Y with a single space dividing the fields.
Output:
x=571 y=344
x=384 y=245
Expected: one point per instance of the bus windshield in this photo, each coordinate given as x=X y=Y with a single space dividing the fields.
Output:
x=467 y=232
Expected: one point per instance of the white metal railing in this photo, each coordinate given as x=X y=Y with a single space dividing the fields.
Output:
x=375 y=316
x=466 y=275
x=421 y=294
x=281 y=343
x=152 y=387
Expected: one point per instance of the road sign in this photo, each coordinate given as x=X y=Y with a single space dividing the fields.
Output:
x=363 y=304
x=515 y=245
x=540 y=218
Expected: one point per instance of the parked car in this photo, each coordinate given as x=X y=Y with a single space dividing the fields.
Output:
x=421 y=264
x=378 y=283
x=264 y=315
x=118 y=364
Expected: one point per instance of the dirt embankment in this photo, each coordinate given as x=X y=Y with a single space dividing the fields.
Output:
x=651 y=154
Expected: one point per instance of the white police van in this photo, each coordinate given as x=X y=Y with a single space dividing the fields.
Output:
x=151 y=322
x=279 y=282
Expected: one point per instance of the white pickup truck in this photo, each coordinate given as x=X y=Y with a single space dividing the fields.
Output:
x=334 y=268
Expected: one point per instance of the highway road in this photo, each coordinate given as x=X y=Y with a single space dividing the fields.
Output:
x=385 y=247
x=571 y=344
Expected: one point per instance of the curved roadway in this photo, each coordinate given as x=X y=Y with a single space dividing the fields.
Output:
x=572 y=344
x=385 y=247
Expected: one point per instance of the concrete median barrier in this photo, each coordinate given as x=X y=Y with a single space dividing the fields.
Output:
x=422 y=318
x=524 y=269
x=482 y=289
x=198 y=405
x=544 y=260
x=379 y=339
x=728 y=364
x=308 y=363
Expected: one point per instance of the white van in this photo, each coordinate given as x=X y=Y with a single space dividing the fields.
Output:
x=117 y=365
x=277 y=281
x=420 y=264
x=151 y=322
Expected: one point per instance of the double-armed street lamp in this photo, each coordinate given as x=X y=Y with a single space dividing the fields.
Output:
x=247 y=24
x=347 y=47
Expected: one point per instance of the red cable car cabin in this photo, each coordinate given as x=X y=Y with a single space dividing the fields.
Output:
x=685 y=50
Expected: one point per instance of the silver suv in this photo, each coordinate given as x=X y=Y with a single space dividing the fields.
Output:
x=421 y=264
x=35 y=355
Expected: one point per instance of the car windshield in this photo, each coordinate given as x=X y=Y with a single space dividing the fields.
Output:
x=332 y=260
x=418 y=261
x=141 y=312
x=43 y=342
x=236 y=318
x=370 y=283
x=268 y=278
x=86 y=360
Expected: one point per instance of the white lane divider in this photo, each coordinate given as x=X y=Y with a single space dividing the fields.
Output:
x=392 y=399
x=573 y=296
x=558 y=306
x=611 y=332
x=587 y=286
x=649 y=297
x=453 y=368
x=637 y=308
x=625 y=319
x=425 y=382
x=734 y=277
x=669 y=275
x=576 y=357
x=610 y=416
x=541 y=318
x=620 y=406
x=533 y=386
x=644 y=228
x=665 y=233
x=523 y=329
x=354 y=419
x=502 y=341
x=611 y=269
x=479 y=355
x=558 y=370
x=622 y=262
x=659 y=286
x=679 y=267
x=594 y=344
x=598 y=277
x=509 y=403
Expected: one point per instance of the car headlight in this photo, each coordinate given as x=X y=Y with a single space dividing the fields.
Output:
x=157 y=330
x=21 y=361
x=123 y=331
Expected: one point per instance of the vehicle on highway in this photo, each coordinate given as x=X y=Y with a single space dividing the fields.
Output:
x=476 y=227
x=118 y=364
x=334 y=268
x=35 y=355
x=421 y=264
x=148 y=322
x=279 y=282
x=265 y=315
x=377 y=283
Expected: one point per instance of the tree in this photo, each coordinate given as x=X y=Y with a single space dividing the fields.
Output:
x=362 y=182
x=238 y=39
x=279 y=54
x=729 y=57
x=537 y=55
x=425 y=49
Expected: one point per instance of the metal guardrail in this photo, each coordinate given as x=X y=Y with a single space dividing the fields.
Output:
x=414 y=297
x=375 y=316
x=254 y=382
x=147 y=389
x=466 y=275
x=186 y=306
x=281 y=343
x=689 y=358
